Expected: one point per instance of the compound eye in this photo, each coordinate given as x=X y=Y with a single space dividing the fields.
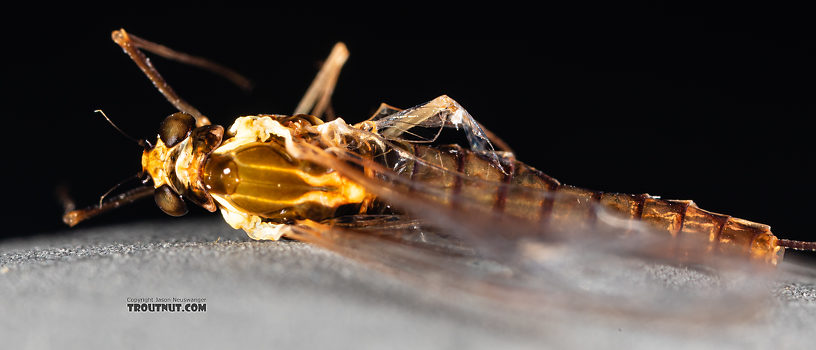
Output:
x=169 y=201
x=175 y=128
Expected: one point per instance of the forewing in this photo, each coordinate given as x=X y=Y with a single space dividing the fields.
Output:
x=583 y=258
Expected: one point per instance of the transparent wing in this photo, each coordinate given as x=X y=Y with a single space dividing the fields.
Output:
x=439 y=113
x=436 y=114
x=534 y=279
x=576 y=257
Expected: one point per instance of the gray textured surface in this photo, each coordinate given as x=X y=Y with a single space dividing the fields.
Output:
x=70 y=290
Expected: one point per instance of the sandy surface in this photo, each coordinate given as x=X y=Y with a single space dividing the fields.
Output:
x=71 y=290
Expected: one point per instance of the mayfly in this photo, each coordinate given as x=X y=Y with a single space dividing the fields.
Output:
x=339 y=184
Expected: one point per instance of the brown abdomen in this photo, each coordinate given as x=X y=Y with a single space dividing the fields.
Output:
x=485 y=185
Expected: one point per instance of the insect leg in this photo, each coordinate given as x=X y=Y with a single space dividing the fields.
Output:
x=74 y=216
x=132 y=44
x=317 y=97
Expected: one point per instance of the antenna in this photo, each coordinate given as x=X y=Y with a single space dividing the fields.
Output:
x=141 y=143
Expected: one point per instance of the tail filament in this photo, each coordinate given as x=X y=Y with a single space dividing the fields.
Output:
x=797 y=245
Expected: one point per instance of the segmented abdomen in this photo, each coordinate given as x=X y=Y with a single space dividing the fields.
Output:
x=508 y=192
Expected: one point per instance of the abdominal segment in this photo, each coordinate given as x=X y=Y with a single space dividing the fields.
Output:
x=518 y=193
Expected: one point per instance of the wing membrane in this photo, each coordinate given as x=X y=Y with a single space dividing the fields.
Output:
x=540 y=279
x=578 y=258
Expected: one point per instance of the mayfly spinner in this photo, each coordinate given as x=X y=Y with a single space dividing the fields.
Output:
x=284 y=176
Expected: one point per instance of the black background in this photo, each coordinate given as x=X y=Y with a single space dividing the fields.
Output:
x=709 y=104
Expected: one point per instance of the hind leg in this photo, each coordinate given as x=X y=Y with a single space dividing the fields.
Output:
x=316 y=100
